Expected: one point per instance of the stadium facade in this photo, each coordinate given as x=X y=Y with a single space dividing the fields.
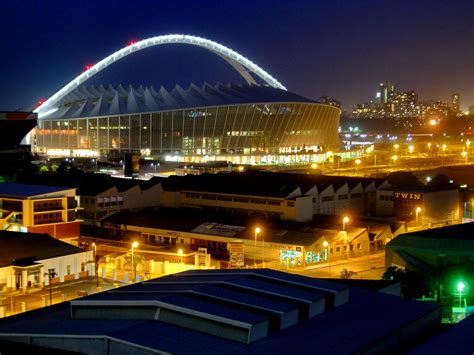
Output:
x=241 y=123
x=210 y=121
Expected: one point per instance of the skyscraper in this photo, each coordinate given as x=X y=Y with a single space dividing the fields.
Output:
x=455 y=104
x=387 y=90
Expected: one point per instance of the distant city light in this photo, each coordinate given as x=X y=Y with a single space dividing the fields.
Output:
x=433 y=122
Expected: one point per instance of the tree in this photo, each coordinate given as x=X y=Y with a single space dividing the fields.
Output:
x=137 y=260
x=404 y=179
x=347 y=274
x=440 y=182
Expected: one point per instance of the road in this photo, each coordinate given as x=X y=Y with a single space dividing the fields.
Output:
x=371 y=268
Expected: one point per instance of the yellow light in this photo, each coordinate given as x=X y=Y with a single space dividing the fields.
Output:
x=411 y=148
x=464 y=154
x=345 y=219
x=180 y=251
x=135 y=245
x=394 y=157
x=325 y=244
x=314 y=166
x=357 y=161
x=418 y=209
x=444 y=147
x=429 y=145
x=330 y=153
x=396 y=146
x=468 y=143
x=433 y=123
x=257 y=230
x=240 y=168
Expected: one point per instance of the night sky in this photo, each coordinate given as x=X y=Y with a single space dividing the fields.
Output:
x=340 y=48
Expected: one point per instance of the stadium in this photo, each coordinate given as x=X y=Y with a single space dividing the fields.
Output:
x=242 y=123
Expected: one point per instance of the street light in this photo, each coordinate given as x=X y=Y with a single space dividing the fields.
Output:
x=180 y=252
x=326 y=246
x=411 y=148
x=357 y=161
x=396 y=146
x=394 y=158
x=257 y=231
x=134 y=245
x=314 y=166
x=464 y=155
x=417 y=211
x=345 y=220
x=460 y=287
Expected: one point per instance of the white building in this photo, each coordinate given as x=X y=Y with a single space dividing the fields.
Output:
x=32 y=260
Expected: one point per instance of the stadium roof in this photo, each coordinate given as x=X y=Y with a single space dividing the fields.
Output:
x=94 y=101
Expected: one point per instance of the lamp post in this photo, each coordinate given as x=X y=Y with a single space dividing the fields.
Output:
x=417 y=212
x=96 y=264
x=326 y=246
x=257 y=231
x=464 y=155
x=134 y=245
x=345 y=220
x=51 y=274
x=460 y=287
x=180 y=252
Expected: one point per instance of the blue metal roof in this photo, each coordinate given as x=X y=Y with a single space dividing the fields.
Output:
x=12 y=189
x=100 y=101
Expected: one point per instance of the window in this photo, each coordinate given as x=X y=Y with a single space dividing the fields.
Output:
x=359 y=246
x=357 y=195
x=68 y=269
x=83 y=266
x=290 y=204
x=314 y=199
x=342 y=197
x=338 y=249
x=327 y=198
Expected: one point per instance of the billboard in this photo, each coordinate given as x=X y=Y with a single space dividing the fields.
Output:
x=236 y=254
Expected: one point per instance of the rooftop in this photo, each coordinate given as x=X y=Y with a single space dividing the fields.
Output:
x=24 y=249
x=229 y=311
x=96 y=101
x=12 y=189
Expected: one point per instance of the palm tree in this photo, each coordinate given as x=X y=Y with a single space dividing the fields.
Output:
x=137 y=260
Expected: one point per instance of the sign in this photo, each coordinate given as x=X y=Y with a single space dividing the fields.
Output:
x=236 y=254
x=407 y=195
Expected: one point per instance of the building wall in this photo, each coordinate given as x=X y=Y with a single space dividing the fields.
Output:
x=53 y=213
x=72 y=263
x=384 y=203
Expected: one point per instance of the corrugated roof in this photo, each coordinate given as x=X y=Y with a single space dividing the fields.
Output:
x=98 y=101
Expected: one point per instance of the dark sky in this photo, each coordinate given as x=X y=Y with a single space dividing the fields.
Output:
x=340 y=48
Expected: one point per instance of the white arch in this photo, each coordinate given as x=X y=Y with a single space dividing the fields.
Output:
x=239 y=62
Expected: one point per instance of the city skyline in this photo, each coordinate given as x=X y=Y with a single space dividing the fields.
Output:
x=317 y=48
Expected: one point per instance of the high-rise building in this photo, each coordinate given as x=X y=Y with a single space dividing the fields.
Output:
x=387 y=90
x=455 y=103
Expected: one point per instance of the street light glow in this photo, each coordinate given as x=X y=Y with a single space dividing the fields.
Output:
x=325 y=244
x=135 y=244
x=461 y=286
x=357 y=161
x=411 y=148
